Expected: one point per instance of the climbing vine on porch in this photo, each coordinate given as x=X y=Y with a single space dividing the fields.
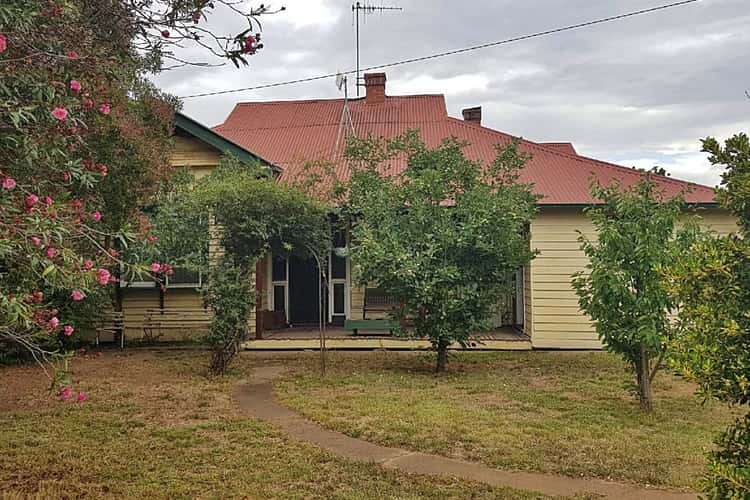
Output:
x=251 y=215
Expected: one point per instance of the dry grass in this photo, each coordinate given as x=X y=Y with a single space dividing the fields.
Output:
x=567 y=413
x=156 y=427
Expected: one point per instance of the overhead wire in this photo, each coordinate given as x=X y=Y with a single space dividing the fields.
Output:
x=452 y=52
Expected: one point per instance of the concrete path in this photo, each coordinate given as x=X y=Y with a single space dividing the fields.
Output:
x=256 y=399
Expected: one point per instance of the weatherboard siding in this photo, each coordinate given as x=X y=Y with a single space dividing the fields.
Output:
x=528 y=324
x=556 y=321
x=201 y=159
x=191 y=152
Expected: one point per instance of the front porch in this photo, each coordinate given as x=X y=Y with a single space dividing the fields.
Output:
x=337 y=338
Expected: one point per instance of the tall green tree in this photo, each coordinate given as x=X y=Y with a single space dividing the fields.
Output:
x=621 y=289
x=443 y=236
x=712 y=285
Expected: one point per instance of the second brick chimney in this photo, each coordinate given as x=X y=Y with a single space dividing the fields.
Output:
x=473 y=115
x=375 y=88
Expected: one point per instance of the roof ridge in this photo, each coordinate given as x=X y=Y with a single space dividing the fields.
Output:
x=332 y=99
x=578 y=157
x=324 y=124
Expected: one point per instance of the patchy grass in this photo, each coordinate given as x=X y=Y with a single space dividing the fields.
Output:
x=567 y=413
x=156 y=427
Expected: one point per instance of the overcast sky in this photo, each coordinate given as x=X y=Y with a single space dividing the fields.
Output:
x=638 y=92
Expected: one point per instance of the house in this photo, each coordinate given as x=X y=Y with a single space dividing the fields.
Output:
x=291 y=134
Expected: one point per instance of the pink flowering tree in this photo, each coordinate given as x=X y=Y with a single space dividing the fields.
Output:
x=84 y=144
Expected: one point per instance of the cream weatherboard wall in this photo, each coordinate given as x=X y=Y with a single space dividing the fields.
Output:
x=554 y=320
x=200 y=158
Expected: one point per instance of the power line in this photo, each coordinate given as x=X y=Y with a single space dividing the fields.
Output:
x=454 y=52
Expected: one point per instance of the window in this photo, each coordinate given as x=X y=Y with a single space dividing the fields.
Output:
x=339 y=299
x=184 y=279
x=278 y=272
x=279 y=296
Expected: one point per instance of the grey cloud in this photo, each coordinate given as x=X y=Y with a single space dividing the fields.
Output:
x=625 y=91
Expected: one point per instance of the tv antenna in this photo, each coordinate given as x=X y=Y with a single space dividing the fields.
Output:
x=346 y=123
x=366 y=8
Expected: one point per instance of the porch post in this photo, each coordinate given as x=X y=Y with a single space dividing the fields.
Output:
x=260 y=278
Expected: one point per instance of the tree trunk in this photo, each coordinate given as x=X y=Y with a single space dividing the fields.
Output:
x=644 y=380
x=442 y=355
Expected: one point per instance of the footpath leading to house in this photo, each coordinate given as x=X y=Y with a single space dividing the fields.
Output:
x=255 y=398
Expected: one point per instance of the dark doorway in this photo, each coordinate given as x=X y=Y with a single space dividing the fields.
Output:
x=304 y=292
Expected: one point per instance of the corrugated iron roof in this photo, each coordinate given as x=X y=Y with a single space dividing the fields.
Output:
x=563 y=147
x=293 y=133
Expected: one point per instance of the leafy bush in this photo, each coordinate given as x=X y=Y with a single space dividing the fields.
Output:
x=622 y=289
x=712 y=285
x=729 y=466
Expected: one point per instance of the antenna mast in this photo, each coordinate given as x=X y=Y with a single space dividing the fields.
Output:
x=363 y=7
x=346 y=124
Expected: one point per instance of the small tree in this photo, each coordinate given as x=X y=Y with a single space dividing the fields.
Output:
x=712 y=286
x=253 y=215
x=443 y=236
x=622 y=291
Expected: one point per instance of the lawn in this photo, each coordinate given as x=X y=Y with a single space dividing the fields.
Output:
x=156 y=427
x=566 y=413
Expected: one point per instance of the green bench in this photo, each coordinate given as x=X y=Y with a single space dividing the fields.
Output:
x=381 y=325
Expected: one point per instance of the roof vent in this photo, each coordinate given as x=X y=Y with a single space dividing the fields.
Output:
x=375 y=86
x=473 y=115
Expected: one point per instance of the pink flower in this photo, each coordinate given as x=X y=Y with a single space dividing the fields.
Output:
x=73 y=130
x=3 y=43
x=102 y=276
x=88 y=104
x=97 y=216
x=77 y=295
x=75 y=86
x=72 y=54
x=155 y=267
x=36 y=241
x=9 y=183
x=88 y=265
x=48 y=201
x=68 y=330
x=66 y=393
x=60 y=113
x=53 y=322
x=81 y=397
x=102 y=169
x=152 y=239
x=66 y=176
x=248 y=48
x=51 y=252
x=31 y=200
x=105 y=108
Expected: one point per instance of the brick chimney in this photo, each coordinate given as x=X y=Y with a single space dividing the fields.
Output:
x=375 y=88
x=473 y=115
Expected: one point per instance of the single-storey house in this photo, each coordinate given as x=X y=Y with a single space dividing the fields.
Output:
x=288 y=135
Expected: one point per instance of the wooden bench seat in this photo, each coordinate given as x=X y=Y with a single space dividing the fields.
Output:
x=157 y=320
x=112 y=322
x=380 y=325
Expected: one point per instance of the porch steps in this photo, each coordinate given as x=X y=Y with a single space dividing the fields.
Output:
x=389 y=344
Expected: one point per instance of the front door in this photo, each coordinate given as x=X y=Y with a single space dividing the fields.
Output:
x=304 y=291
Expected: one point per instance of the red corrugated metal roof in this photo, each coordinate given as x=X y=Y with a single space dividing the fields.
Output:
x=292 y=133
x=563 y=147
